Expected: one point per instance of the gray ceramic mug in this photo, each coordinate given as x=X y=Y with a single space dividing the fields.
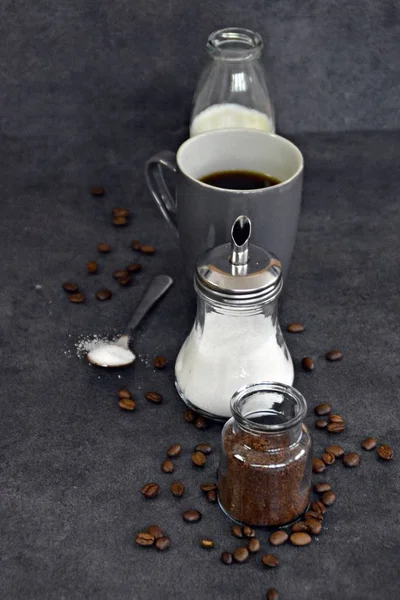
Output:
x=202 y=215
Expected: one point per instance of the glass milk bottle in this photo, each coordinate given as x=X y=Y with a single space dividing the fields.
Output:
x=232 y=91
x=236 y=339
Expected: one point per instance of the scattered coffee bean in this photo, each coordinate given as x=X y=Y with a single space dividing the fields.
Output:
x=126 y=404
x=318 y=507
x=248 y=531
x=226 y=558
x=124 y=393
x=335 y=419
x=314 y=526
x=120 y=212
x=144 y=539
x=167 y=466
x=155 y=531
x=162 y=543
x=174 y=450
x=204 y=448
x=337 y=451
x=91 y=267
x=312 y=514
x=300 y=539
x=177 y=488
x=351 y=459
x=133 y=267
x=153 y=397
x=206 y=543
x=201 y=423
x=328 y=498
x=120 y=274
x=189 y=416
x=321 y=423
x=211 y=496
x=97 y=191
x=237 y=531
x=270 y=560
x=159 y=362
x=150 y=490
x=147 y=249
x=135 y=245
x=119 y=221
x=125 y=280
x=333 y=355
x=70 y=288
x=318 y=466
x=103 y=294
x=322 y=410
x=335 y=427
x=253 y=545
x=308 y=363
x=299 y=527
x=295 y=327
x=240 y=554
x=76 y=298
x=192 y=516
x=322 y=486
x=104 y=248
x=272 y=594
x=369 y=443
x=208 y=486
x=278 y=537
x=198 y=459
x=385 y=452
x=328 y=458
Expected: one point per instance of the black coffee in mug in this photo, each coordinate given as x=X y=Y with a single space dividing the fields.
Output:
x=240 y=180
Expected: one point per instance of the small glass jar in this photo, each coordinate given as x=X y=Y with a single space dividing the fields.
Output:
x=232 y=91
x=264 y=476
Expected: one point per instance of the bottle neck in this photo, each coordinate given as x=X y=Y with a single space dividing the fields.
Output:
x=234 y=44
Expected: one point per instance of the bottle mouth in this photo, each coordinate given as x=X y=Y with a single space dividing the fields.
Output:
x=234 y=43
x=268 y=407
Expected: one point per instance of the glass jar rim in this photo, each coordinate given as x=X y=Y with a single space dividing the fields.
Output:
x=234 y=43
x=239 y=399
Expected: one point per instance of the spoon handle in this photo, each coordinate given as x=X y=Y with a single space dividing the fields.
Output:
x=157 y=288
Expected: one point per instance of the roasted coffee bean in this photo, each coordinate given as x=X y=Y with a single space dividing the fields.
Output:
x=318 y=507
x=328 y=498
x=162 y=543
x=208 y=486
x=192 y=516
x=270 y=560
x=126 y=404
x=322 y=409
x=351 y=459
x=174 y=450
x=369 y=443
x=272 y=594
x=308 y=363
x=204 y=448
x=91 y=267
x=337 y=451
x=314 y=526
x=226 y=558
x=144 y=539
x=335 y=427
x=76 y=298
x=385 y=452
x=104 y=248
x=177 y=488
x=318 y=466
x=313 y=514
x=103 y=294
x=201 y=423
x=135 y=245
x=248 y=531
x=147 y=249
x=253 y=545
x=322 y=486
x=97 y=191
x=198 y=459
x=237 y=531
x=150 y=490
x=124 y=393
x=299 y=527
x=155 y=531
x=240 y=554
x=120 y=212
x=125 y=280
x=300 y=539
x=119 y=221
x=295 y=327
x=153 y=397
x=159 y=362
x=212 y=497
x=328 y=458
x=133 y=267
x=206 y=543
x=278 y=537
x=335 y=419
x=189 y=416
x=70 y=288
x=333 y=355
x=120 y=274
x=321 y=423
x=167 y=466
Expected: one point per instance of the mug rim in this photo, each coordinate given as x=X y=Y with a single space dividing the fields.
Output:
x=266 y=134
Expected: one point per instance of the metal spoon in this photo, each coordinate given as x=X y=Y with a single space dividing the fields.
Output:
x=119 y=354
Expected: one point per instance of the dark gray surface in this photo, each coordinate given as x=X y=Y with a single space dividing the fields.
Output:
x=72 y=463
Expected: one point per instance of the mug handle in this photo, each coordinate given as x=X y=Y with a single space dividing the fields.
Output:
x=158 y=188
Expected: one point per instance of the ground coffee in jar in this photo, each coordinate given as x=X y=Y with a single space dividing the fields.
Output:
x=264 y=475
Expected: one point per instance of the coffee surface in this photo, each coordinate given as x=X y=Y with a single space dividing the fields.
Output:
x=240 y=180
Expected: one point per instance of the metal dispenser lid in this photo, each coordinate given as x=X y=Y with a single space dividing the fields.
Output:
x=239 y=272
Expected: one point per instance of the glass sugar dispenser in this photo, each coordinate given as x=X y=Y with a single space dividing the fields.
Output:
x=236 y=338
x=232 y=91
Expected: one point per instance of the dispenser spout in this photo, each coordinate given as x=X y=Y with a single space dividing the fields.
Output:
x=240 y=237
